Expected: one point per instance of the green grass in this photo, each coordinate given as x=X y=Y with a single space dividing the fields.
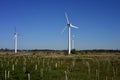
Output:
x=77 y=68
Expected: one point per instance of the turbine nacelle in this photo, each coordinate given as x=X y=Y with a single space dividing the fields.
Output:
x=68 y=25
x=15 y=33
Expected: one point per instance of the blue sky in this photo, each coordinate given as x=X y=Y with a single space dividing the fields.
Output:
x=40 y=22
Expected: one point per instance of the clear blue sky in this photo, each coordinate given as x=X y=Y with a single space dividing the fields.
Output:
x=40 y=22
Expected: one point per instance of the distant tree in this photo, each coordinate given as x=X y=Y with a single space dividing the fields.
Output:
x=73 y=51
x=6 y=49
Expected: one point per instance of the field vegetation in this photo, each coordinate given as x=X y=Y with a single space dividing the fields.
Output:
x=56 y=65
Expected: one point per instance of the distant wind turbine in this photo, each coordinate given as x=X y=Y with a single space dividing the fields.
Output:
x=69 y=25
x=15 y=40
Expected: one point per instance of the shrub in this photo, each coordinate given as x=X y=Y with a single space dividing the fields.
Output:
x=73 y=51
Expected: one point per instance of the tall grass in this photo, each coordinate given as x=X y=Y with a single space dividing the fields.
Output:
x=77 y=68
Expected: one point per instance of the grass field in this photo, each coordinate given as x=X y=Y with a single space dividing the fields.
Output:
x=59 y=67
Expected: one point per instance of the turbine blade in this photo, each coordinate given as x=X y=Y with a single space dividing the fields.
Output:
x=73 y=26
x=66 y=18
x=64 y=29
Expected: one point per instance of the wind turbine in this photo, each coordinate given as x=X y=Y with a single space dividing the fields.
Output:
x=15 y=40
x=69 y=25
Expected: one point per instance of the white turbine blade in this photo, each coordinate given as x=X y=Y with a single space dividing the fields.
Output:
x=67 y=18
x=73 y=26
x=64 y=29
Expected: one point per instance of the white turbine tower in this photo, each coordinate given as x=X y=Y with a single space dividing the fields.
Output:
x=73 y=42
x=15 y=41
x=69 y=25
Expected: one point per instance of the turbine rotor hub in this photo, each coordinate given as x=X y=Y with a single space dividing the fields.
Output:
x=68 y=25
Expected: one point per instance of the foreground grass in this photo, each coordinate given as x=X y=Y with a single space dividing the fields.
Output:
x=36 y=67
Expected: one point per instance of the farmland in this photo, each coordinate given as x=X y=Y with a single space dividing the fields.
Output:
x=59 y=67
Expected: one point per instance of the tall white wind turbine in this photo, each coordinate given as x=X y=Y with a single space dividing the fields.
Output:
x=69 y=25
x=15 y=40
